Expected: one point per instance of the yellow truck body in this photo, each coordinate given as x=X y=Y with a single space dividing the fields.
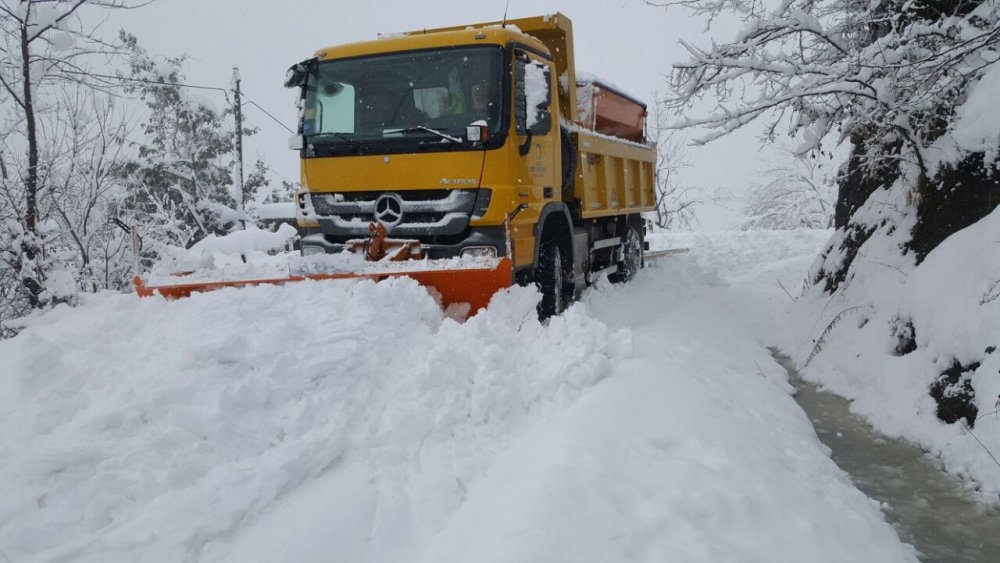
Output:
x=390 y=132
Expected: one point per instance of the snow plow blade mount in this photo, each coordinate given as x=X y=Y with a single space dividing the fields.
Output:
x=475 y=286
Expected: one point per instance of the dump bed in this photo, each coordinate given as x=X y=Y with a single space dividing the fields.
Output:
x=614 y=177
x=616 y=174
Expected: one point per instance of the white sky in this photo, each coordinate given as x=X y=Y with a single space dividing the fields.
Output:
x=626 y=42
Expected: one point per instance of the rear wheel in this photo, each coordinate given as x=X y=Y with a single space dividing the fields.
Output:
x=551 y=280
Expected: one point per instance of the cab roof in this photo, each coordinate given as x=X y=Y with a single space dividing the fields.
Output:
x=430 y=39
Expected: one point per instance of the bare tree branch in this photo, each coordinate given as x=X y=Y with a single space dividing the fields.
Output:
x=31 y=38
x=836 y=66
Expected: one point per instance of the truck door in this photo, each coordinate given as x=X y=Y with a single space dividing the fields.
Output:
x=537 y=134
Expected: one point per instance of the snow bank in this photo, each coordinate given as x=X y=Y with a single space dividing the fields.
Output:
x=283 y=211
x=142 y=430
x=352 y=421
x=974 y=128
x=891 y=330
x=232 y=250
x=746 y=255
x=693 y=451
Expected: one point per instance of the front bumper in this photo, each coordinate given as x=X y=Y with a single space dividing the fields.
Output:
x=475 y=237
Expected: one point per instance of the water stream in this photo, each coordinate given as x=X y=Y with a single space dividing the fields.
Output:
x=930 y=509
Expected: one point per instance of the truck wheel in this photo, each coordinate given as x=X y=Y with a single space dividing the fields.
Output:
x=551 y=281
x=632 y=250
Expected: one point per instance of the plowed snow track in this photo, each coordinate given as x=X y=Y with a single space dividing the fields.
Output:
x=355 y=422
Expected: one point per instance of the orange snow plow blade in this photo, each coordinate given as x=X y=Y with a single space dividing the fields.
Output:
x=475 y=286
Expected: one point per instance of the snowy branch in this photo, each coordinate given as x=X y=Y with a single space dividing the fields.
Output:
x=838 y=65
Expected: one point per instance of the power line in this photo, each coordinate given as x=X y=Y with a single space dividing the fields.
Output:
x=181 y=85
x=225 y=92
x=147 y=81
x=276 y=120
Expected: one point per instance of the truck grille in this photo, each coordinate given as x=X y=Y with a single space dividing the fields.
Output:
x=443 y=212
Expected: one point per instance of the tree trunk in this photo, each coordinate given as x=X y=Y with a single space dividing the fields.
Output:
x=30 y=247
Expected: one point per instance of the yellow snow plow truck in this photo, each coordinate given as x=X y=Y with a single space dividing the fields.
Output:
x=471 y=158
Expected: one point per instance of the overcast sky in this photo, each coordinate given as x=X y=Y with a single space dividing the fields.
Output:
x=626 y=42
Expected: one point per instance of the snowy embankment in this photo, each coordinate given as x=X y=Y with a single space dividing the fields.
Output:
x=352 y=421
x=891 y=331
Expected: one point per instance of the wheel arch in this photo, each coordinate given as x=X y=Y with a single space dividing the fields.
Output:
x=555 y=221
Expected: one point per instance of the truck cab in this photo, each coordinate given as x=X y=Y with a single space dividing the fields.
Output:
x=430 y=135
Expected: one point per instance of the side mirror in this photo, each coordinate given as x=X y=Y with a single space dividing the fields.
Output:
x=543 y=123
x=531 y=103
x=298 y=73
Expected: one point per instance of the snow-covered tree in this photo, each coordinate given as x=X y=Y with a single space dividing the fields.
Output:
x=84 y=169
x=890 y=71
x=285 y=192
x=257 y=185
x=182 y=187
x=675 y=200
x=793 y=195
x=47 y=51
x=895 y=78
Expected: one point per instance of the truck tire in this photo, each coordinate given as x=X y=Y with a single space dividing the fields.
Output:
x=551 y=280
x=632 y=250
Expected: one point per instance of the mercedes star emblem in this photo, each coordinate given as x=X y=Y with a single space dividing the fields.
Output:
x=389 y=210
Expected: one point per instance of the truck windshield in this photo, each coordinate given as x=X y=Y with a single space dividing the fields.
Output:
x=417 y=97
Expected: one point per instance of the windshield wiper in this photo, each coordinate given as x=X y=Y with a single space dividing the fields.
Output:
x=321 y=136
x=421 y=128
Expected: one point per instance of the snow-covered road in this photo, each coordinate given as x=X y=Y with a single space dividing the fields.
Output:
x=354 y=422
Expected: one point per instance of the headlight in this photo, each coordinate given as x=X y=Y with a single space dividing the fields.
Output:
x=479 y=252
x=312 y=250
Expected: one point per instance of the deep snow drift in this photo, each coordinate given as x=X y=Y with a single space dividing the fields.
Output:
x=351 y=421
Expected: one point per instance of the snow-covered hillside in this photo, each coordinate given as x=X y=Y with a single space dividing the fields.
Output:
x=893 y=331
x=351 y=421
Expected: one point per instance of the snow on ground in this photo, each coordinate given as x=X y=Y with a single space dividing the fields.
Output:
x=950 y=305
x=352 y=421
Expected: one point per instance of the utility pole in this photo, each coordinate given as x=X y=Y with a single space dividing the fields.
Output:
x=238 y=112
